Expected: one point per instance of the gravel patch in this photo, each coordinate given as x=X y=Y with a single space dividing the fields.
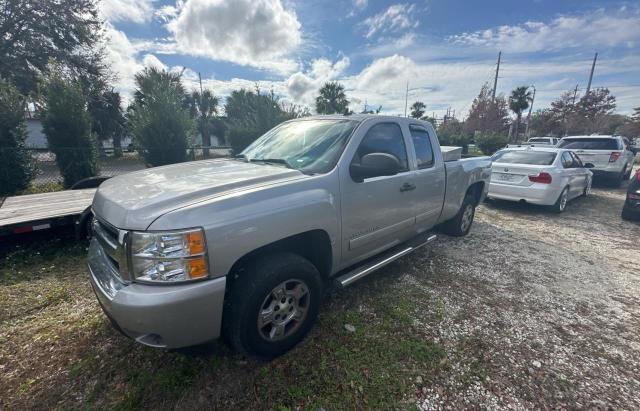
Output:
x=539 y=310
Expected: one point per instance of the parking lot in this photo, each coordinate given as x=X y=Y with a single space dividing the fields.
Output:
x=531 y=310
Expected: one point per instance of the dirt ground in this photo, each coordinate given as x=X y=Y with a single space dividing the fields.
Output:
x=531 y=310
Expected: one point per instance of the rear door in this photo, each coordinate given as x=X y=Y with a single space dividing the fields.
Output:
x=574 y=175
x=430 y=178
x=582 y=173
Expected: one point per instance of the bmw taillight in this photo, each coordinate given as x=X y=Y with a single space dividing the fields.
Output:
x=614 y=157
x=543 y=178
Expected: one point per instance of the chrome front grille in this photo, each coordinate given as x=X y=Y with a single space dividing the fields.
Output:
x=114 y=243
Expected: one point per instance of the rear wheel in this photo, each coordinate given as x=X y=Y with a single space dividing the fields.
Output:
x=273 y=305
x=561 y=202
x=627 y=176
x=460 y=225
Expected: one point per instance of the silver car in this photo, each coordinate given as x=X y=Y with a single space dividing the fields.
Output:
x=539 y=175
x=611 y=155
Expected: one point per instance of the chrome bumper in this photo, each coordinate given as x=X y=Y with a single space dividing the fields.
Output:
x=169 y=316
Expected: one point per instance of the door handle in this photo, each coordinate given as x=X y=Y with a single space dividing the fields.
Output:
x=408 y=187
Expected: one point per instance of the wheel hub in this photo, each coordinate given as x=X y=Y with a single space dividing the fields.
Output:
x=283 y=310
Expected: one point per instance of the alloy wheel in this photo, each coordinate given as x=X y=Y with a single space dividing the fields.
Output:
x=283 y=310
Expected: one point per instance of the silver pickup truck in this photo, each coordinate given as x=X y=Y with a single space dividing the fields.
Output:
x=244 y=247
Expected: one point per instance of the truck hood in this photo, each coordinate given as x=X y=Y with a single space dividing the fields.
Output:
x=133 y=201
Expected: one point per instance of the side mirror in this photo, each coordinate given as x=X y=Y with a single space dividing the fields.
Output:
x=588 y=165
x=374 y=165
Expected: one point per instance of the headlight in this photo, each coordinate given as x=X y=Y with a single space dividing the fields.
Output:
x=169 y=256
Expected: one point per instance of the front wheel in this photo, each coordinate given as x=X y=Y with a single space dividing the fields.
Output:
x=460 y=225
x=273 y=305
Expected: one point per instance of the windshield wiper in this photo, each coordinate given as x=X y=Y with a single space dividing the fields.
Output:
x=271 y=161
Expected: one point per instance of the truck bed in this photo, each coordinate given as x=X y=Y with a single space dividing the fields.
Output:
x=21 y=212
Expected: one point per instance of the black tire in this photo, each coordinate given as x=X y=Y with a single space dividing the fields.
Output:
x=627 y=175
x=561 y=205
x=628 y=215
x=458 y=226
x=254 y=288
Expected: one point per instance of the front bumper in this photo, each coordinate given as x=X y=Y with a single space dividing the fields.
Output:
x=169 y=316
x=541 y=194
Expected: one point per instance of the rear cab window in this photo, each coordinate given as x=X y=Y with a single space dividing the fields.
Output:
x=422 y=145
x=590 y=144
x=531 y=157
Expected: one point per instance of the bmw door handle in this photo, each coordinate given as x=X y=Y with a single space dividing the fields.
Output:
x=408 y=187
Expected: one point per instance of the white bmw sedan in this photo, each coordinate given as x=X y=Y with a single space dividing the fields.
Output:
x=539 y=175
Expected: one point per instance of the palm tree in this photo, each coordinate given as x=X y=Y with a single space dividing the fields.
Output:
x=518 y=102
x=332 y=99
x=203 y=107
x=417 y=109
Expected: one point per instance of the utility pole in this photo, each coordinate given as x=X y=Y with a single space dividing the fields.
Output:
x=495 y=80
x=205 y=152
x=533 y=98
x=406 y=100
x=593 y=66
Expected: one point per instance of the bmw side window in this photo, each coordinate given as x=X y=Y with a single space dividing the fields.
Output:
x=384 y=138
x=422 y=144
x=577 y=163
x=567 y=161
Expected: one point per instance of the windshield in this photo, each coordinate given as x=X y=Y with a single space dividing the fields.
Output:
x=590 y=143
x=311 y=146
x=538 y=158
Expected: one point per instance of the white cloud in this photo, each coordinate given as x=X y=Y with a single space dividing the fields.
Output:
x=596 y=29
x=137 y=11
x=166 y=13
x=123 y=57
x=302 y=87
x=396 y=18
x=257 y=33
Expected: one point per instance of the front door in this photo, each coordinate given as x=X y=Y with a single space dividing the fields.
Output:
x=377 y=213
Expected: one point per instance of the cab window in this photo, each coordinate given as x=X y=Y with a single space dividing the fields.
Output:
x=422 y=145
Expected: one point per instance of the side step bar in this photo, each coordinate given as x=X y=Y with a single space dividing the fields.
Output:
x=383 y=259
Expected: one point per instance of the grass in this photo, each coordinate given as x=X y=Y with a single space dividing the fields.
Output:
x=57 y=350
x=42 y=188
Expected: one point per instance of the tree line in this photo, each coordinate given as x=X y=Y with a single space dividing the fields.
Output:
x=53 y=61
x=490 y=126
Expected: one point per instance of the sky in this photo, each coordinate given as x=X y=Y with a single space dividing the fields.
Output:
x=444 y=50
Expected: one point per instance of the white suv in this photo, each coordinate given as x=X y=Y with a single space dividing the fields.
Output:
x=611 y=156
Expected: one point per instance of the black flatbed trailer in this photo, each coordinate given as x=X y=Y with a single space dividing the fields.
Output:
x=33 y=212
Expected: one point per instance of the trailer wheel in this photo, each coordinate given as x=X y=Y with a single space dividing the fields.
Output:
x=83 y=225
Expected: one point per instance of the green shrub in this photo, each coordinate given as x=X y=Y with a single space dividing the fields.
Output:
x=159 y=120
x=67 y=125
x=16 y=167
x=489 y=142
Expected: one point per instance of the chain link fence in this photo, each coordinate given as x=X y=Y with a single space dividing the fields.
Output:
x=49 y=178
